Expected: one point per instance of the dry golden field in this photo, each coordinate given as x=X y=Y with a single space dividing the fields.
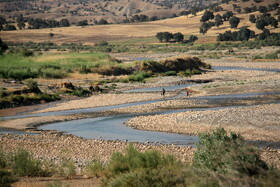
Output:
x=114 y=32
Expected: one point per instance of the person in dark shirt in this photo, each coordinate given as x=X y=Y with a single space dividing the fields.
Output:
x=163 y=92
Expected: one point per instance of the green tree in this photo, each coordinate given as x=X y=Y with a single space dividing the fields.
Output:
x=273 y=22
x=227 y=15
x=64 y=23
x=252 y=18
x=193 y=38
x=234 y=21
x=3 y=46
x=159 y=36
x=261 y=24
x=9 y=28
x=178 y=37
x=204 y=28
x=167 y=36
x=218 y=20
x=207 y=16
x=262 y=9
x=2 y=20
x=21 y=25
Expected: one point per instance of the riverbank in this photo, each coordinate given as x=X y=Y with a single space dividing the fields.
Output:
x=253 y=122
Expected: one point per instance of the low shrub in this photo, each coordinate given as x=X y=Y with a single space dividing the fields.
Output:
x=183 y=63
x=227 y=154
x=170 y=73
x=25 y=165
x=192 y=72
x=150 y=66
x=67 y=169
x=32 y=85
x=112 y=70
x=80 y=92
x=6 y=178
x=96 y=168
x=138 y=77
x=132 y=161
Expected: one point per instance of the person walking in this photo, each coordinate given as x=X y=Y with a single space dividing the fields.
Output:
x=163 y=92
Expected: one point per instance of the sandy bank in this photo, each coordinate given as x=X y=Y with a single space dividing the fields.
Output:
x=105 y=100
x=253 y=122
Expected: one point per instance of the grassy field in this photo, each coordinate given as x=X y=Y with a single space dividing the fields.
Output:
x=50 y=65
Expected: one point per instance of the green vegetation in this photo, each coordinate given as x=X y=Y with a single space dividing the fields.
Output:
x=18 y=67
x=137 y=77
x=26 y=99
x=221 y=159
x=25 y=165
x=273 y=55
x=227 y=154
x=26 y=96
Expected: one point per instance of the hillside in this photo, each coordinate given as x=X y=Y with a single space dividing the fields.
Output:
x=187 y=25
x=91 y=10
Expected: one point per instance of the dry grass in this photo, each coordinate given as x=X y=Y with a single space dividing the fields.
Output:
x=92 y=34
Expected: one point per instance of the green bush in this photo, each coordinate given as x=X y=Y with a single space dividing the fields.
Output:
x=138 y=77
x=25 y=165
x=67 y=169
x=227 y=154
x=32 y=85
x=2 y=93
x=96 y=168
x=3 y=161
x=80 y=92
x=183 y=63
x=6 y=178
x=132 y=161
x=150 y=66
x=170 y=73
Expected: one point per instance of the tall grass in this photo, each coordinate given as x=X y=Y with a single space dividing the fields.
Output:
x=18 y=67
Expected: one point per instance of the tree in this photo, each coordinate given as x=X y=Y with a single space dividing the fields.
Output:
x=193 y=38
x=227 y=15
x=261 y=23
x=204 y=28
x=185 y=13
x=262 y=9
x=102 y=22
x=264 y=34
x=9 y=28
x=245 y=34
x=159 y=36
x=153 y=18
x=2 y=20
x=64 y=23
x=82 y=23
x=234 y=21
x=218 y=20
x=247 y=10
x=51 y=35
x=143 y=18
x=21 y=25
x=178 y=37
x=207 y=16
x=167 y=36
x=252 y=18
x=3 y=46
x=194 y=10
x=273 y=22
